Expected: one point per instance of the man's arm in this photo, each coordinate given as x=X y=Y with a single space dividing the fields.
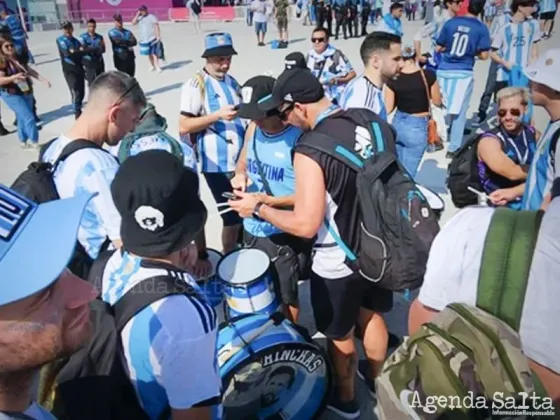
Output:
x=309 y=206
x=157 y=30
x=136 y=18
x=490 y=152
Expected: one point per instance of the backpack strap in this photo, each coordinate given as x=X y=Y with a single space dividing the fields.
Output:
x=506 y=261
x=74 y=146
x=145 y=293
x=95 y=276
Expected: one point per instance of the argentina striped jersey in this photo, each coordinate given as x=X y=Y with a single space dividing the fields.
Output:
x=543 y=168
x=16 y=29
x=219 y=145
x=362 y=93
x=514 y=43
x=88 y=171
x=170 y=346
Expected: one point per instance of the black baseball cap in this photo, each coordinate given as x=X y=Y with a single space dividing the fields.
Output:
x=295 y=85
x=159 y=203
x=253 y=90
x=295 y=60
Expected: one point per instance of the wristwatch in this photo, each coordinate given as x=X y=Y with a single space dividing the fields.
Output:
x=257 y=209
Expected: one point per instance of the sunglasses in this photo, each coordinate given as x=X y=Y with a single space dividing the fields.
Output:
x=515 y=112
x=285 y=112
x=317 y=40
x=133 y=86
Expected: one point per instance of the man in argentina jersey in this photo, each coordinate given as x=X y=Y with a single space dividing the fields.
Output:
x=17 y=31
x=503 y=16
x=265 y=170
x=431 y=30
x=547 y=13
x=114 y=105
x=169 y=347
x=382 y=57
x=391 y=22
x=209 y=116
x=462 y=39
x=515 y=43
x=545 y=90
x=329 y=64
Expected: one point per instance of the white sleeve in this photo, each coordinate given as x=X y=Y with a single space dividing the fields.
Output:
x=427 y=31
x=455 y=259
x=556 y=155
x=99 y=181
x=537 y=29
x=189 y=372
x=498 y=39
x=191 y=99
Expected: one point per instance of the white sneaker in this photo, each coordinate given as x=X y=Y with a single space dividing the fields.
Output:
x=34 y=146
x=24 y=145
x=159 y=70
x=152 y=68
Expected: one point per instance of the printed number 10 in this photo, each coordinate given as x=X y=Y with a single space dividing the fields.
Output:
x=460 y=43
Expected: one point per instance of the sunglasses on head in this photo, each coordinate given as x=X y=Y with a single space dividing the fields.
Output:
x=515 y=112
x=317 y=40
x=133 y=86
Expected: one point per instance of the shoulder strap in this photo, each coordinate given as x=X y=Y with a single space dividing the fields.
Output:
x=95 y=276
x=328 y=145
x=506 y=261
x=266 y=185
x=428 y=95
x=74 y=146
x=145 y=293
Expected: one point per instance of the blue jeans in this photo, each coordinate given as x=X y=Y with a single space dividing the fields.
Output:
x=412 y=140
x=260 y=27
x=22 y=106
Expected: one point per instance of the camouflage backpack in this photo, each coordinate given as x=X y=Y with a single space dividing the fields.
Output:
x=468 y=349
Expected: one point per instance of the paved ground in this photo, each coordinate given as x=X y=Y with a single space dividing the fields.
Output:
x=183 y=49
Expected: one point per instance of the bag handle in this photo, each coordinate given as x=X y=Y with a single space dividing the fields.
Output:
x=427 y=91
x=506 y=262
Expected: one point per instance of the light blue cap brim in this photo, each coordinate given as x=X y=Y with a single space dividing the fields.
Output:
x=42 y=249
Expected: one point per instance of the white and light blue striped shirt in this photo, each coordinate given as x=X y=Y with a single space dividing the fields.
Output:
x=543 y=168
x=88 y=171
x=170 y=346
x=514 y=42
x=219 y=145
x=362 y=93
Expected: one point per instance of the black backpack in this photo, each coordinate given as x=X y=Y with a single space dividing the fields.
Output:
x=462 y=173
x=37 y=184
x=93 y=383
x=397 y=223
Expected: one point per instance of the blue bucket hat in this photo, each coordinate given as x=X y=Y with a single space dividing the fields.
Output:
x=218 y=44
x=36 y=242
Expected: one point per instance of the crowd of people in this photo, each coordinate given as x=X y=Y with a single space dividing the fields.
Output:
x=124 y=204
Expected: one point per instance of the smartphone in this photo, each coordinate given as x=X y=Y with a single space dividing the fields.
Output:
x=230 y=196
x=236 y=107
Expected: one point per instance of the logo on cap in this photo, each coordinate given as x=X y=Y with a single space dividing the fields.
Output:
x=149 y=218
x=289 y=97
x=13 y=211
x=220 y=40
x=246 y=94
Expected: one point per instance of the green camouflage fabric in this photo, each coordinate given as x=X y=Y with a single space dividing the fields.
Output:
x=282 y=7
x=464 y=349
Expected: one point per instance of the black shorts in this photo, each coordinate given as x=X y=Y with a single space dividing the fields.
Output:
x=218 y=182
x=547 y=15
x=336 y=302
x=289 y=256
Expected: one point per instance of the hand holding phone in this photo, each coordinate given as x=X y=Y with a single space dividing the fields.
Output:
x=230 y=196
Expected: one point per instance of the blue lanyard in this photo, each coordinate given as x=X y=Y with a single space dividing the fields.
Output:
x=332 y=108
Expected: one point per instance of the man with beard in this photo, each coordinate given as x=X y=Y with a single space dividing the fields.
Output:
x=114 y=105
x=382 y=58
x=44 y=312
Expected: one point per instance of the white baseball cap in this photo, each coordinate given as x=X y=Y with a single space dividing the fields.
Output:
x=543 y=70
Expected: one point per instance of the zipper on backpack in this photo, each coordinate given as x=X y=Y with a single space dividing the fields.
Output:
x=496 y=342
x=455 y=383
x=450 y=338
